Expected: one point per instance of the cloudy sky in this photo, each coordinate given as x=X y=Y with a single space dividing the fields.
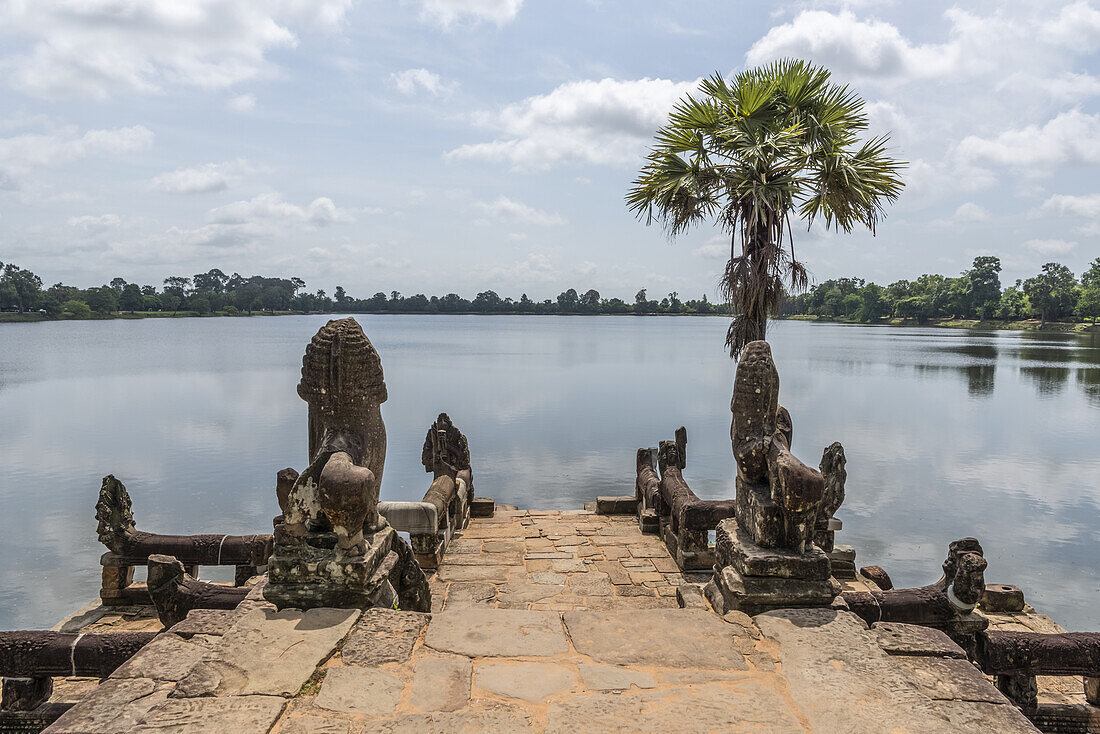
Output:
x=458 y=145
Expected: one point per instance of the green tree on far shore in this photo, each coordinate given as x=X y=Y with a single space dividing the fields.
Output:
x=776 y=142
x=1053 y=292
x=1088 y=303
x=985 y=283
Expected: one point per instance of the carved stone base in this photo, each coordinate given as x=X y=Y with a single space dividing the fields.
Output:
x=752 y=595
x=753 y=579
x=734 y=547
x=306 y=573
x=765 y=521
x=648 y=522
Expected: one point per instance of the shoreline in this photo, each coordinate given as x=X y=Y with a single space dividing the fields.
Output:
x=1058 y=327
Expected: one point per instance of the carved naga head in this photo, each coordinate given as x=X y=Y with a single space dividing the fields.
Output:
x=969 y=582
x=673 y=454
x=445 y=448
x=964 y=573
x=114 y=511
x=341 y=372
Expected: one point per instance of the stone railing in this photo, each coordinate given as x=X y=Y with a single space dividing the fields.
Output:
x=449 y=502
x=1015 y=658
x=667 y=506
x=30 y=659
x=130 y=548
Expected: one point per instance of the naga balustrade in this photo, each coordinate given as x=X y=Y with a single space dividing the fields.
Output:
x=30 y=659
x=1015 y=658
x=445 y=509
x=130 y=547
x=667 y=505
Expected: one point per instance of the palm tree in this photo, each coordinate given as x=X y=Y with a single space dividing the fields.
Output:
x=745 y=154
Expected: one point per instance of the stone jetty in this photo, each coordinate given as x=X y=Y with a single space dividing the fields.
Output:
x=541 y=621
x=622 y=616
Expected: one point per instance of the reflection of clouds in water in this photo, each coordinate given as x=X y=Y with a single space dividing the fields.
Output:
x=946 y=436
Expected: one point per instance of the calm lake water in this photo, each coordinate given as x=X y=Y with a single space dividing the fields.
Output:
x=948 y=433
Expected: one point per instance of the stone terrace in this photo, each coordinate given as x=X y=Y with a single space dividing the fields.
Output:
x=545 y=621
x=556 y=561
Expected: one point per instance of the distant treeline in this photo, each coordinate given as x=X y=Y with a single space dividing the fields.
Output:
x=215 y=292
x=1053 y=294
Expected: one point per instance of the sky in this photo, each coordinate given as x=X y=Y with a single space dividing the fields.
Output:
x=434 y=146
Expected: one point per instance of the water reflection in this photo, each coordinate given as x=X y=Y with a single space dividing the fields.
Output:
x=948 y=433
x=1089 y=382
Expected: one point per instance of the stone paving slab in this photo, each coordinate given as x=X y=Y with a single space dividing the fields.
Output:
x=743 y=706
x=441 y=684
x=117 y=705
x=670 y=638
x=502 y=561
x=167 y=658
x=946 y=679
x=497 y=632
x=383 y=636
x=236 y=714
x=357 y=690
x=268 y=652
x=534 y=682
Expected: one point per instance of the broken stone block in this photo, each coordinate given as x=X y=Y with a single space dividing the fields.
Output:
x=624 y=505
x=482 y=507
x=1002 y=598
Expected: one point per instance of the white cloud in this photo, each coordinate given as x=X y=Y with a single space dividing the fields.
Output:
x=971 y=212
x=7 y=181
x=1065 y=87
x=98 y=47
x=509 y=210
x=713 y=251
x=450 y=12
x=536 y=267
x=19 y=154
x=1071 y=137
x=271 y=208
x=410 y=81
x=1050 y=247
x=851 y=47
x=90 y=223
x=1077 y=26
x=243 y=103
x=968 y=213
x=604 y=122
x=202 y=179
x=1082 y=206
x=34 y=149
